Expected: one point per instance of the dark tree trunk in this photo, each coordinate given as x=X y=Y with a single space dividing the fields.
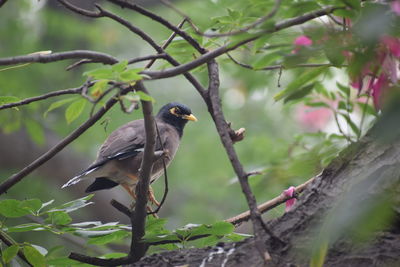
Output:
x=371 y=167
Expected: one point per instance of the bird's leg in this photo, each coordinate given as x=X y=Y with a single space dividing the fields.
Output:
x=133 y=195
x=152 y=198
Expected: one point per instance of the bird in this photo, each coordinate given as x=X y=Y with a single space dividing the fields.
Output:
x=119 y=158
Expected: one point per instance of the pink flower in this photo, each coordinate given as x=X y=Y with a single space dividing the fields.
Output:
x=313 y=119
x=377 y=89
x=300 y=41
x=290 y=193
x=395 y=5
x=392 y=43
x=303 y=40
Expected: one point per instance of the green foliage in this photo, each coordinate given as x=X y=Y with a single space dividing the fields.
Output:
x=9 y=253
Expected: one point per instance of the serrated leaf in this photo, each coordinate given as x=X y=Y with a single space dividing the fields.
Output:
x=131 y=75
x=75 y=110
x=266 y=60
x=306 y=77
x=34 y=256
x=9 y=253
x=102 y=240
x=145 y=97
x=35 y=131
x=101 y=73
x=302 y=92
x=119 y=67
x=58 y=104
x=58 y=218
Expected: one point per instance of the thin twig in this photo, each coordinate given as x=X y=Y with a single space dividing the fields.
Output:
x=9 y=242
x=12 y=180
x=280 y=66
x=121 y=207
x=46 y=58
x=26 y=101
x=183 y=68
x=165 y=174
x=162 y=21
x=270 y=204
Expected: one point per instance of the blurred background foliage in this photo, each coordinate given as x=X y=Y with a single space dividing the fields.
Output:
x=287 y=141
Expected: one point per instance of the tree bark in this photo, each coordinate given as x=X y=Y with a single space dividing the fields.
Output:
x=371 y=165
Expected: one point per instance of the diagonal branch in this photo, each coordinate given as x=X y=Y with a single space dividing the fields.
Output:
x=214 y=107
x=46 y=58
x=183 y=68
x=26 y=101
x=14 y=179
x=161 y=20
x=103 y=13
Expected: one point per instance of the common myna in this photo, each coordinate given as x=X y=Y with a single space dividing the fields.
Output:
x=119 y=158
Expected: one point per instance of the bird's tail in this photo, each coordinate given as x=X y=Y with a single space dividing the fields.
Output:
x=79 y=177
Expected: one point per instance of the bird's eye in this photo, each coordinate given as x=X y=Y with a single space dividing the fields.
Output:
x=176 y=111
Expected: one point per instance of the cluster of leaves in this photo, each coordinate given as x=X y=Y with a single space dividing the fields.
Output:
x=57 y=220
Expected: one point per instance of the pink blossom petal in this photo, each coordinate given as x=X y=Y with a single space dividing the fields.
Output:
x=303 y=40
x=290 y=193
x=393 y=44
x=313 y=119
x=395 y=5
x=377 y=89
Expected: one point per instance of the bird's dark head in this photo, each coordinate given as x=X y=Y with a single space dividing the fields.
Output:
x=177 y=115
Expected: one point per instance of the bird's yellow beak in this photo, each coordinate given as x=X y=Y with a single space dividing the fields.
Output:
x=190 y=117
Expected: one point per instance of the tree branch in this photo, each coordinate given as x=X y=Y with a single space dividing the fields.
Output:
x=174 y=71
x=26 y=101
x=9 y=242
x=214 y=107
x=148 y=39
x=270 y=204
x=138 y=218
x=177 y=30
x=14 y=179
x=46 y=58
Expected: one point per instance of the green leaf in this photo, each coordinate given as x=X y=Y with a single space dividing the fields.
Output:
x=131 y=75
x=222 y=228
x=25 y=228
x=119 y=67
x=352 y=125
x=58 y=104
x=35 y=131
x=266 y=60
x=367 y=108
x=144 y=96
x=114 y=255
x=102 y=240
x=74 y=205
x=8 y=99
x=75 y=110
x=13 y=208
x=306 y=77
x=60 y=262
x=302 y=92
x=318 y=257
x=9 y=253
x=344 y=89
x=58 y=218
x=318 y=105
x=34 y=256
x=99 y=87
x=101 y=73
x=236 y=237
